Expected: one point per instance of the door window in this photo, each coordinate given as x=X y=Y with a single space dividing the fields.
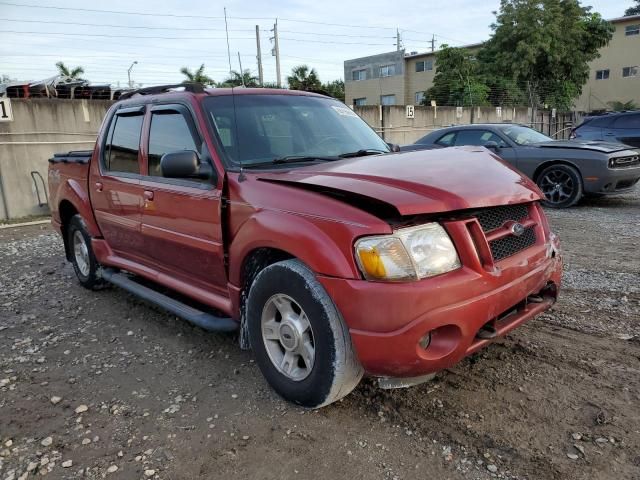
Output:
x=446 y=140
x=478 y=137
x=627 y=121
x=121 y=150
x=169 y=132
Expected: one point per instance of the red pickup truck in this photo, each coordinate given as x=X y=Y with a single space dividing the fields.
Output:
x=283 y=215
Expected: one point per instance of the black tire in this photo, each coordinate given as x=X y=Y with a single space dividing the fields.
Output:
x=561 y=185
x=87 y=275
x=336 y=370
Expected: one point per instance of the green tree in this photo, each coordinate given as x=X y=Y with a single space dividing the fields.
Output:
x=237 y=79
x=304 y=78
x=544 y=47
x=635 y=10
x=72 y=73
x=618 y=106
x=334 y=88
x=197 y=76
x=457 y=80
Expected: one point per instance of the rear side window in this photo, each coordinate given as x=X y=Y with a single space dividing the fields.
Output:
x=478 y=137
x=123 y=144
x=447 y=140
x=169 y=132
x=599 y=122
x=627 y=121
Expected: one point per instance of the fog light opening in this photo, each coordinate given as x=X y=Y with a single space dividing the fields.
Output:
x=425 y=341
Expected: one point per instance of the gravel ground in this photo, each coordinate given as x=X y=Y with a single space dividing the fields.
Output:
x=99 y=384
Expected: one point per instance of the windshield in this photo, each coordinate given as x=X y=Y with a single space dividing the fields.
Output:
x=257 y=129
x=524 y=135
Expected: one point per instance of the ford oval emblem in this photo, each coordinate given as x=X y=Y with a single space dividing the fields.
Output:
x=517 y=229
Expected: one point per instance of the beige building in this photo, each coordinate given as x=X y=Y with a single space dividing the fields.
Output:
x=401 y=78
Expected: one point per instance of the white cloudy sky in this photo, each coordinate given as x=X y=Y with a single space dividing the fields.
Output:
x=320 y=33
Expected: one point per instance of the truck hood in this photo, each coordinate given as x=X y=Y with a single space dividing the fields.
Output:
x=418 y=182
x=604 y=147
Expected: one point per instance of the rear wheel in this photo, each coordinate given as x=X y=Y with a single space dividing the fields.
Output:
x=300 y=341
x=561 y=185
x=82 y=257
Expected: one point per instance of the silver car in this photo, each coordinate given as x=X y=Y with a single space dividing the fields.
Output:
x=564 y=170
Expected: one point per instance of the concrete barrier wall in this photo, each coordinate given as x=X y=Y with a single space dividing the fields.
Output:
x=391 y=121
x=40 y=128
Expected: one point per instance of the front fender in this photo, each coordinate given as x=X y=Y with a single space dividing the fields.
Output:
x=322 y=244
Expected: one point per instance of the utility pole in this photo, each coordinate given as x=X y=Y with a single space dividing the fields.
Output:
x=259 y=56
x=398 y=41
x=433 y=42
x=226 y=29
x=276 y=52
x=129 y=73
x=241 y=71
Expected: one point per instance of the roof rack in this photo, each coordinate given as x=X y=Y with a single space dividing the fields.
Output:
x=188 y=87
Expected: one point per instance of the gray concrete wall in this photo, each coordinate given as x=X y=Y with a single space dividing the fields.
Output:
x=40 y=128
x=396 y=128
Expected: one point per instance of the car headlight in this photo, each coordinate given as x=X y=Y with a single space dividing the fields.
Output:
x=407 y=254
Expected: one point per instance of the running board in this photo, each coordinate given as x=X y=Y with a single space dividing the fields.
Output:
x=203 y=320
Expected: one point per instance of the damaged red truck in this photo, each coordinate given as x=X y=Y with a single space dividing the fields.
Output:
x=281 y=214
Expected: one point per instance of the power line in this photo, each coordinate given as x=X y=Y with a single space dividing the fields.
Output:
x=122 y=36
x=199 y=29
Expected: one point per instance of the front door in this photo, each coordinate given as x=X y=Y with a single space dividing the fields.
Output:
x=482 y=137
x=181 y=224
x=114 y=183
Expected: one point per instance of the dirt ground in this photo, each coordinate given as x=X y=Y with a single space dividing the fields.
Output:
x=99 y=384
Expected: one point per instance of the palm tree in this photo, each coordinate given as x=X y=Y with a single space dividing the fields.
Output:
x=197 y=76
x=618 y=106
x=245 y=78
x=73 y=74
x=303 y=78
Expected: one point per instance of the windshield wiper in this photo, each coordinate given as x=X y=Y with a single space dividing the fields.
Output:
x=291 y=159
x=363 y=152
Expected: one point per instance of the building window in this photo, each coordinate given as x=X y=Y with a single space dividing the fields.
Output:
x=630 y=71
x=358 y=102
x=359 y=75
x=424 y=65
x=419 y=98
x=387 y=70
x=387 y=99
x=602 y=74
x=632 y=30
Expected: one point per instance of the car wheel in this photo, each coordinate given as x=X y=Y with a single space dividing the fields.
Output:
x=82 y=256
x=561 y=185
x=298 y=337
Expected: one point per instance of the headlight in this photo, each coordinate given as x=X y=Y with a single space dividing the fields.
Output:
x=407 y=254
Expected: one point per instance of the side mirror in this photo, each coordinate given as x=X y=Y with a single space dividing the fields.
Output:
x=394 y=147
x=491 y=145
x=183 y=164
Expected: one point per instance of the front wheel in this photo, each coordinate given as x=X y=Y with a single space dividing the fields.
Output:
x=561 y=185
x=298 y=337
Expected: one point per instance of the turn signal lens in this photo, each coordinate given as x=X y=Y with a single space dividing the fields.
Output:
x=384 y=258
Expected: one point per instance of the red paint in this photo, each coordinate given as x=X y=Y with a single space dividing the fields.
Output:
x=196 y=240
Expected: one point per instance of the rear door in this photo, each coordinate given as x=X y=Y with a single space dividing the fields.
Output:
x=181 y=224
x=625 y=129
x=114 y=183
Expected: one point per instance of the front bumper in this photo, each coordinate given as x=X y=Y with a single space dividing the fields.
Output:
x=615 y=180
x=388 y=320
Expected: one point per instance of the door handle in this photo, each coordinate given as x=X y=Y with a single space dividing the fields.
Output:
x=99 y=186
x=148 y=195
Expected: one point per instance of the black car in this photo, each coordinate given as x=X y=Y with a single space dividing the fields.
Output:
x=622 y=127
x=564 y=170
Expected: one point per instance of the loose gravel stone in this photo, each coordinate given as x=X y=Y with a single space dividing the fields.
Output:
x=81 y=409
x=46 y=442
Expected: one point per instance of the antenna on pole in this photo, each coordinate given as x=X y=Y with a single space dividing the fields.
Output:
x=259 y=56
x=276 y=51
x=226 y=29
x=241 y=71
x=398 y=40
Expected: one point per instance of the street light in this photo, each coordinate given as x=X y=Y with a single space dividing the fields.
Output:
x=129 y=73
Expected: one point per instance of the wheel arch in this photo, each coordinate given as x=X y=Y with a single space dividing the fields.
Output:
x=66 y=210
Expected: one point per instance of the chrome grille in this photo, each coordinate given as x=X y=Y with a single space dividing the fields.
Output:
x=507 y=246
